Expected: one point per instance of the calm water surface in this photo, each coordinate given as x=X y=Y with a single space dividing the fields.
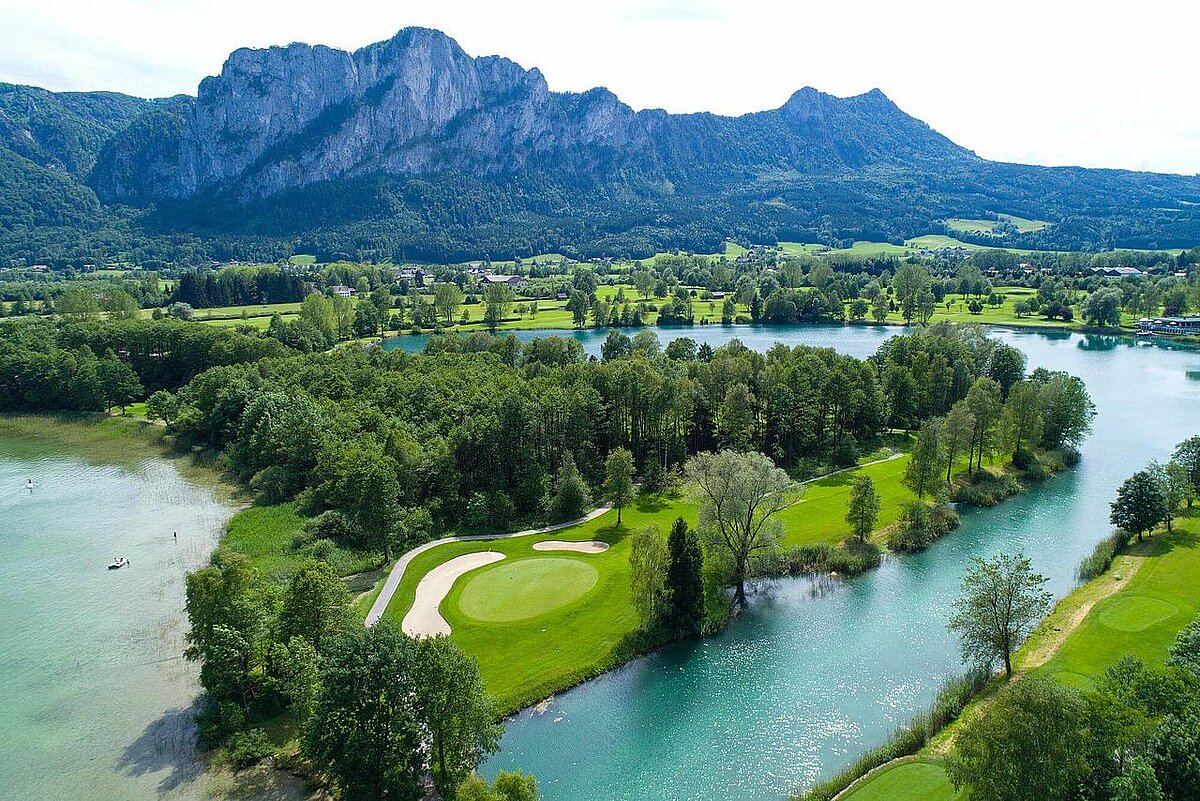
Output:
x=819 y=671
x=95 y=697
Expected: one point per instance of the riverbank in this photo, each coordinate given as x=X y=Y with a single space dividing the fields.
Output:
x=1134 y=609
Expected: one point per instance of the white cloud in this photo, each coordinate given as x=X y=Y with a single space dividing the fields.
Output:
x=1050 y=81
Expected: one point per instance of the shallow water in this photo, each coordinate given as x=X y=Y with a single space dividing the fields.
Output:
x=819 y=671
x=95 y=696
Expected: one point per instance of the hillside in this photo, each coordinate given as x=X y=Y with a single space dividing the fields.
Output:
x=413 y=148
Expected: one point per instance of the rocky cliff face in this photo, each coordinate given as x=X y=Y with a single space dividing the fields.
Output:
x=288 y=117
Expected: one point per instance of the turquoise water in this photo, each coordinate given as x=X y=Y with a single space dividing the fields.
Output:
x=855 y=340
x=819 y=671
x=95 y=697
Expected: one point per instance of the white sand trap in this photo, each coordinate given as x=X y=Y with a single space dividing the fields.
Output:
x=588 y=546
x=424 y=619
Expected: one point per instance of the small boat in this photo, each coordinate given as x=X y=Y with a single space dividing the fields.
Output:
x=29 y=484
x=118 y=563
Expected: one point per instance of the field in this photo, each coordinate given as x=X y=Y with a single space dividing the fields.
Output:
x=1023 y=225
x=908 y=780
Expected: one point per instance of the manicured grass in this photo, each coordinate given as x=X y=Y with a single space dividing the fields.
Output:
x=819 y=516
x=524 y=588
x=537 y=626
x=1143 y=617
x=915 y=780
x=558 y=640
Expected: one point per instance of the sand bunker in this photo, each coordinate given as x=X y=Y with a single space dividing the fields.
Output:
x=588 y=546
x=424 y=619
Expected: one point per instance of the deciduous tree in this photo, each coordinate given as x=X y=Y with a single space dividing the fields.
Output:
x=1000 y=602
x=739 y=495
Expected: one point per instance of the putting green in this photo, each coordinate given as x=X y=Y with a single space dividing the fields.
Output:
x=909 y=780
x=1135 y=612
x=525 y=588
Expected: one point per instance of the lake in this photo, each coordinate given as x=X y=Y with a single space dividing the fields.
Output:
x=95 y=696
x=818 y=671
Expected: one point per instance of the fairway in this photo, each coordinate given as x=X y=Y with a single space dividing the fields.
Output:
x=907 y=781
x=1142 y=618
x=525 y=588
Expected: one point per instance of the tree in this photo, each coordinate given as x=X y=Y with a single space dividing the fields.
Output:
x=365 y=731
x=1140 y=504
x=1021 y=419
x=684 y=580
x=618 y=479
x=643 y=281
x=381 y=299
x=1006 y=367
x=1187 y=456
x=1173 y=484
x=506 y=787
x=118 y=382
x=572 y=496
x=374 y=497
x=316 y=606
x=735 y=419
x=497 y=301
x=577 y=304
x=1029 y=740
x=1001 y=600
x=924 y=464
x=957 y=429
x=908 y=283
x=738 y=494
x=457 y=711
x=1067 y=409
x=119 y=305
x=78 y=303
x=162 y=405
x=880 y=307
x=1103 y=308
x=983 y=399
x=447 y=297
x=862 y=508
x=648 y=562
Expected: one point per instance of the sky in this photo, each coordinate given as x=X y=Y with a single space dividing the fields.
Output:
x=1098 y=84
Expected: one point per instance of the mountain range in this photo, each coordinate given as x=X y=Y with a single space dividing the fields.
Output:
x=411 y=148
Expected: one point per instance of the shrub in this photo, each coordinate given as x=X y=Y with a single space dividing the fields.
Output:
x=1102 y=555
x=1024 y=458
x=276 y=483
x=248 y=748
x=216 y=722
x=920 y=525
x=845 y=453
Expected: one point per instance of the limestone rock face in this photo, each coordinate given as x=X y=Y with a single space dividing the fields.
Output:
x=417 y=104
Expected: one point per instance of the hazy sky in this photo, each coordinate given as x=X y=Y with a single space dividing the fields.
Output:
x=1105 y=84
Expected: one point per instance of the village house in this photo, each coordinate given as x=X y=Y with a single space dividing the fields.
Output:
x=341 y=291
x=509 y=280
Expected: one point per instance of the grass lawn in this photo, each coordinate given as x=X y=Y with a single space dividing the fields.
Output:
x=913 y=780
x=1023 y=225
x=265 y=534
x=1142 y=618
x=819 y=515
